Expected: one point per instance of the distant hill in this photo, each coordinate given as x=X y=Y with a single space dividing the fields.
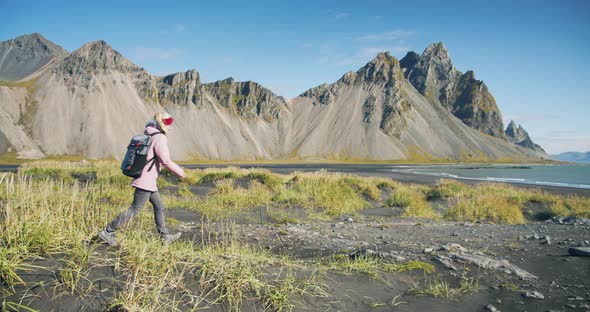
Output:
x=89 y=103
x=576 y=157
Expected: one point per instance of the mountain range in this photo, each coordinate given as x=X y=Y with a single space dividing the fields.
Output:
x=91 y=101
x=576 y=157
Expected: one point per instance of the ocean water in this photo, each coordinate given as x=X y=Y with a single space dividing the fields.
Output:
x=577 y=176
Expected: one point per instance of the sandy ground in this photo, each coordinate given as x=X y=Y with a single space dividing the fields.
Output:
x=563 y=280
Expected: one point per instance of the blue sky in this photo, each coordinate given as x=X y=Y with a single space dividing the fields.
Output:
x=533 y=55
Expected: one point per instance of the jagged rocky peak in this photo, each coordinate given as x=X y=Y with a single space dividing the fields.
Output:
x=315 y=91
x=24 y=55
x=382 y=71
x=182 y=88
x=36 y=43
x=248 y=99
x=378 y=85
x=410 y=60
x=437 y=53
x=383 y=68
x=519 y=136
x=430 y=71
x=512 y=130
x=97 y=57
x=182 y=78
x=474 y=105
x=435 y=77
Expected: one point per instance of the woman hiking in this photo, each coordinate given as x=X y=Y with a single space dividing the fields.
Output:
x=145 y=186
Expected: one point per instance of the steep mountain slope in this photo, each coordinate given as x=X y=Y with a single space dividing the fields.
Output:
x=90 y=103
x=24 y=55
x=94 y=99
x=435 y=77
x=519 y=136
x=376 y=113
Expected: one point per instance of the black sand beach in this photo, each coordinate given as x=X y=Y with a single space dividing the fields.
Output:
x=376 y=170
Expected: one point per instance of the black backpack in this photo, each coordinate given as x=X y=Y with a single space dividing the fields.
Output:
x=136 y=156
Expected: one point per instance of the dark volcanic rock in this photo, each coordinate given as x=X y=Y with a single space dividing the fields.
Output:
x=435 y=77
x=180 y=88
x=382 y=75
x=248 y=99
x=22 y=56
x=519 y=136
x=95 y=58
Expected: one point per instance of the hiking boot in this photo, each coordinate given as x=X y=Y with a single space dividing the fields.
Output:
x=167 y=239
x=108 y=238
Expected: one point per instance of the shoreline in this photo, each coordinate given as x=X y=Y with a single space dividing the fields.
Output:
x=371 y=170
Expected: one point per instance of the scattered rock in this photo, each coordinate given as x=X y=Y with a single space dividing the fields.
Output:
x=490 y=307
x=570 y=220
x=363 y=253
x=399 y=258
x=533 y=294
x=579 y=251
x=452 y=247
x=428 y=250
x=546 y=240
x=445 y=261
x=492 y=264
x=575 y=298
x=455 y=234
x=348 y=219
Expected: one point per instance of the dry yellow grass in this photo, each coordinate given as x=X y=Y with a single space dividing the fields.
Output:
x=413 y=202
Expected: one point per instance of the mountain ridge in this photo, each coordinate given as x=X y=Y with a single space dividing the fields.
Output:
x=373 y=113
x=432 y=73
x=575 y=157
x=22 y=56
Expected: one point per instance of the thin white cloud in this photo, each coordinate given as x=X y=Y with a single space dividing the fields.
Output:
x=362 y=56
x=340 y=15
x=145 y=53
x=373 y=51
x=387 y=36
x=562 y=132
x=177 y=28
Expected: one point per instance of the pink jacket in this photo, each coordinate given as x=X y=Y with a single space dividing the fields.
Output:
x=148 y=179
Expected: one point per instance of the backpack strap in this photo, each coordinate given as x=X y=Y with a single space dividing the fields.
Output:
x=153 y=160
